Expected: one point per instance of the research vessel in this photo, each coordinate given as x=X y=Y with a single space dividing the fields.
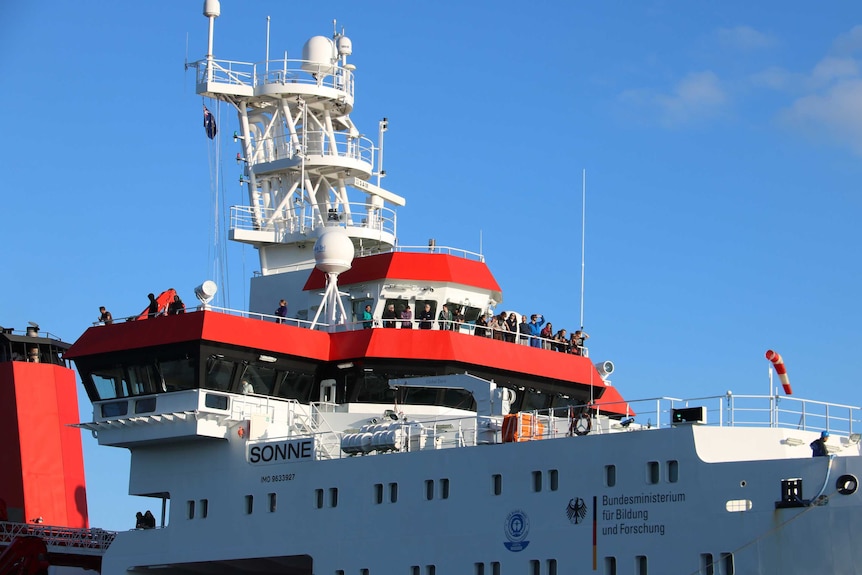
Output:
x=382 y=426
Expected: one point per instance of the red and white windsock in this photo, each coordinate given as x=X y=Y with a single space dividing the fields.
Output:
x=776 y=360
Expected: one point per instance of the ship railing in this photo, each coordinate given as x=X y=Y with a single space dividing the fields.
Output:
x=94 y=539
x=318 y=143
x=731 y=410
x=284 y=71
x=305 y=218
x=447 y=250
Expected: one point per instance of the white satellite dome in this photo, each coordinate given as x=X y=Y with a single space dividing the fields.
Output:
x=333 y=251
x=317 y=55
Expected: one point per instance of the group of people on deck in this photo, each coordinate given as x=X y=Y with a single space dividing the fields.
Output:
x=502 y=327
x=535 y=333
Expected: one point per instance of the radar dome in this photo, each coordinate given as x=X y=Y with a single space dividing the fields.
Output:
x=317 y=55
x=333 y=251
x=345 y=46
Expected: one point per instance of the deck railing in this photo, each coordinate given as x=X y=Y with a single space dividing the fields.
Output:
x=96 y=540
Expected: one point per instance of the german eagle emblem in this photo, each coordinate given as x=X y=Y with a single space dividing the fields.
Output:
x=576 y=510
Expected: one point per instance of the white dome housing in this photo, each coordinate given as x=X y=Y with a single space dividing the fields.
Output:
x=333 y=251
x=318 y=55
x=345 y=46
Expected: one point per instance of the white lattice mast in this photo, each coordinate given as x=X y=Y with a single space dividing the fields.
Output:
x=302 y=155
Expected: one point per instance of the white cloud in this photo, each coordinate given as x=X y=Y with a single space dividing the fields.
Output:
x=696 y=97
x=848 y=43
x=827 y=103
x=831 y=69
x=744 y=38
x=834 y=114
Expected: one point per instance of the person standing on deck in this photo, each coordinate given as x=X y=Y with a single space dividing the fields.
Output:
x=281 y=312
x=536 y=329
x=153 y=310
x=425 y=316
x=818 y=446
x=105 y=316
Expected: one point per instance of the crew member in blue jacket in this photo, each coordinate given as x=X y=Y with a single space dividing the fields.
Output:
x=536 y=329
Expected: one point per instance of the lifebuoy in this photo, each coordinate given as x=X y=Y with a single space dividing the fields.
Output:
x=581 y=424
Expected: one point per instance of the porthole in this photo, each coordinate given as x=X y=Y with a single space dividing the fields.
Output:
x=847 y=484
x=743 y=483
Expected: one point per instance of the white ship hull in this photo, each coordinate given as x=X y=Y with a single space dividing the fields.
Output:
x=634 y=526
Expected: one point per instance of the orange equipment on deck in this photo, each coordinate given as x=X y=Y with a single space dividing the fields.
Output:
x=522 y=427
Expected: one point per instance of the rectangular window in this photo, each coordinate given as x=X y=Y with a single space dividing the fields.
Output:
x=393 y=492
x=272 y=497
x=537 y=481
x=318 y=498
x=430 y=570
x=535 y=568
x=115 y=408
x=707 y=567
x=333 y=497
x=190 y=509
x=378 y=493
x=552 y=567
x=213 y=401
x=653 y=472
x=205 y=508
x=415 y=570
x=363 y=572
x=444 y=489
x=555 y=479
x=219 y=374
x=339 y=572
x=610 y=566
x=249 y=504
x=641 y=565
x=497 y=483
x=429 y=489
x=146 y=405
x=495 y=568
x=673 y=471
x=727 y=564
x=479 y=569
x=610 y=475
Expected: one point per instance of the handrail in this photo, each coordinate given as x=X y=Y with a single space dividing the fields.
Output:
x=284 y=71
x=305 y=218
x=93 y=538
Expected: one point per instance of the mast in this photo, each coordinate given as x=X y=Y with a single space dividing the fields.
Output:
x=303 y=158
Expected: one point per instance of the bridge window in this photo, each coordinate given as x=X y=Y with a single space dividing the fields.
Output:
x=261 y=377
x=295 y=385
x=219 y=373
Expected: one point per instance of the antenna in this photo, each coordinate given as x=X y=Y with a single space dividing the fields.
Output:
x=583 y=237
x=267 y=46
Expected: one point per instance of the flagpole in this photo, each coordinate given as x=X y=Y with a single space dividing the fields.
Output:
x=583 y=237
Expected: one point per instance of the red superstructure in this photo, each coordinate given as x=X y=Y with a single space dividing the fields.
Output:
x=204 y=334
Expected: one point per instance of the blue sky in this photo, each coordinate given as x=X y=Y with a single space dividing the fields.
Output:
x=722 y=144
